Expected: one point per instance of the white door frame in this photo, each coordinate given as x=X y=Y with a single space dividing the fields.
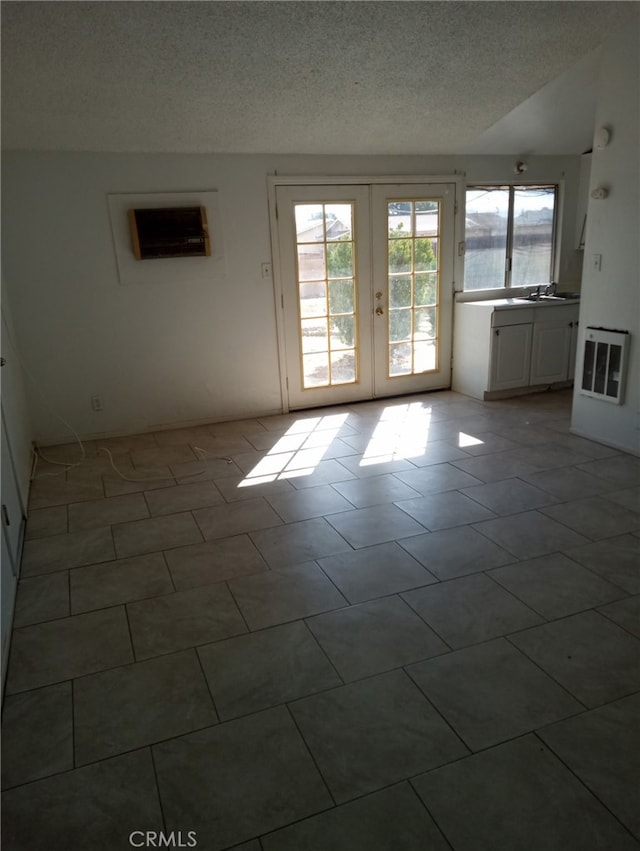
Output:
x=275 y=180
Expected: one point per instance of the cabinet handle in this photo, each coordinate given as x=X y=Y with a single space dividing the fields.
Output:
x=5 y=516
x=497 y=332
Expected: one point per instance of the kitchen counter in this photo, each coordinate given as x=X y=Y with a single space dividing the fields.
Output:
x=507 y=346
x=515 y=303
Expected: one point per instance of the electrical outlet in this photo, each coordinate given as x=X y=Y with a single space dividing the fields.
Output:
x=266 y=270
x=96 y=403
x=596 y=262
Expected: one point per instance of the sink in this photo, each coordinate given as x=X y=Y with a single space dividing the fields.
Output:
x=535 y=299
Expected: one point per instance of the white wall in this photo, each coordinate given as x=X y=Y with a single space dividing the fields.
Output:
x=611 y=297
x=175 y=353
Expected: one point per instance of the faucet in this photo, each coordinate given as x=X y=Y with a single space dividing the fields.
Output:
x=534 y=294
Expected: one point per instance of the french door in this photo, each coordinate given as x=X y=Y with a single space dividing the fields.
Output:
x=366 y=278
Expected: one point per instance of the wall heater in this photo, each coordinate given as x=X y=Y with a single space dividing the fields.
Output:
x=605 y=357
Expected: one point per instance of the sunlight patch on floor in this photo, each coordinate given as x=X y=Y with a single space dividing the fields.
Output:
x=468 y=440
x=403 y=432
x=298 y=452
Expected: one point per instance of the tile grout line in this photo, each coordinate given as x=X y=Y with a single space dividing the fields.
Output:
x=568 y=555
x=424 y=804
x=615 y=622
x=157 y=781
x=238 y=608
x=310 y=753
x=539 y=666
x=206 y=680
x=308 y=629
x=584 y=785
x=432 y=628
x=73 y=725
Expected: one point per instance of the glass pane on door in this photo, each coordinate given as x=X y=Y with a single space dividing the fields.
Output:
x=413 y=280
x=326 y=284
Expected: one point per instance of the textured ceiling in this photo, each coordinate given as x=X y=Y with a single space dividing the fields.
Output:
x=299 y=77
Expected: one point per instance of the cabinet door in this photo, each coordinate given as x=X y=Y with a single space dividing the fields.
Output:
x=7 y=598
x=12 y=517
x=12 y=512
x=550 y=351
x=510 y=356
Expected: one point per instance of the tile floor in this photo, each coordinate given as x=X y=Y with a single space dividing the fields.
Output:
x=406 y=625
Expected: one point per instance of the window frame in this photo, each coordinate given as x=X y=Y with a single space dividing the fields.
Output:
x=508 y=264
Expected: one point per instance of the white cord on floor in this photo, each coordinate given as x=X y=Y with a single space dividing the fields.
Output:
x=201 y=453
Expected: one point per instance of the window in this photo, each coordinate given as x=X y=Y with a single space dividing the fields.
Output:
x=509 y=236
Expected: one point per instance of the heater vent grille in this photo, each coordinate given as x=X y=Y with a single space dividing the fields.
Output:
x=605 y=356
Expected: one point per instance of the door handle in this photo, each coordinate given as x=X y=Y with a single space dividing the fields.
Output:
x=379 y=311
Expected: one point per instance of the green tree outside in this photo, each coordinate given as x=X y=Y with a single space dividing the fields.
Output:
x=412 y=266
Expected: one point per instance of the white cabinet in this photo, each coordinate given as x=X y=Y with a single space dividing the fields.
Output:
x=13 y=512
x=553 y=350
x=8 y=590
x=550 y=351
x=15 y=439
x=510 y=356
x=13 y=519
x=508 y=345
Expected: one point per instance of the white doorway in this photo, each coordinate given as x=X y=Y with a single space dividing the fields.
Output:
x=364 y=279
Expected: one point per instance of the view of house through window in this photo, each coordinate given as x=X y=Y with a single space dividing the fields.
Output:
x=413 y=281
x=327 y=293
x=509 y=236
